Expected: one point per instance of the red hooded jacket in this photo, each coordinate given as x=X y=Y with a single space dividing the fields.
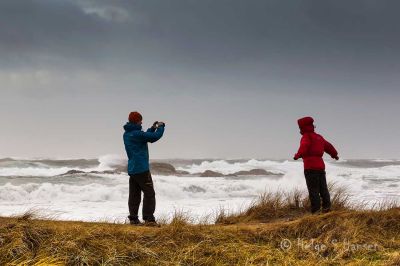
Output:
x=313 y=146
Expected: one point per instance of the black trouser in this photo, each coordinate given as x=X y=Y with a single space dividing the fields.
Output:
x=137 y=184
x=317 y=190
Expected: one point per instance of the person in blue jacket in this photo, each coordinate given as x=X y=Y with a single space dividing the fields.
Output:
x=140 y=179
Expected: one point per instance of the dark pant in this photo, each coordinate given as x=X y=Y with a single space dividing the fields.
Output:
x=317 y=190
x=137 y=184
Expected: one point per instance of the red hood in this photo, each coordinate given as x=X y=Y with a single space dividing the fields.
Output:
x=306 y=124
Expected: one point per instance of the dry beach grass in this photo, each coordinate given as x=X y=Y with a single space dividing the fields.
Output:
x=275 y=230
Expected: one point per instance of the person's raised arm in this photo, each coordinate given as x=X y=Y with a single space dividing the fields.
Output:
x=328 y=148
x=152 y=136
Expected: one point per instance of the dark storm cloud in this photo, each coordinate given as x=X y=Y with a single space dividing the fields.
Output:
x=335 y=35
x=33 y=32
x=244 y=69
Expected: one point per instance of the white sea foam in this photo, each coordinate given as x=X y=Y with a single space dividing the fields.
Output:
x=110 y=161
x=40 y=168
x=99 y=196
x=33 y=171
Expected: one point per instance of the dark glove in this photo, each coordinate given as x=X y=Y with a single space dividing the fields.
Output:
x=295 y=158
x=161 y=124
x=336 y=157
x=154 y=126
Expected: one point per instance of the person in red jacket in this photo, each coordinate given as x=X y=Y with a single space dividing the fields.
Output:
x=312 y=148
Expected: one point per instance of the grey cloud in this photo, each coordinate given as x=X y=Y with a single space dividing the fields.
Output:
x=229 y=74
x=200 y=34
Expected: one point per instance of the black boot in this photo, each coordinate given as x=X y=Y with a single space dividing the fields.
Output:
x=326 y=210
x=151 y=222
x=135 y=221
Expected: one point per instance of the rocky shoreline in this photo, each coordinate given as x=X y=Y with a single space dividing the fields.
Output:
x=159 y=168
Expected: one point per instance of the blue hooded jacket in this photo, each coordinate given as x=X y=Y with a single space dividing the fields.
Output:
x=135 y=141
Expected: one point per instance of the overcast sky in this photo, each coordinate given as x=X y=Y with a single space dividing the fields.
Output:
x=230 y=78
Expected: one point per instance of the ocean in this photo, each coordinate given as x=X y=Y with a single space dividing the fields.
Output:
x=97 y=189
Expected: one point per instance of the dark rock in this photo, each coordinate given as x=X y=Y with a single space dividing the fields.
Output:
x=105 y=172
x=163 y=169
x=122 y=168
x=95 y=172
x=179 y=172
x=256 y=172
x=110 y=172
x=210 y=173
x=73 y=172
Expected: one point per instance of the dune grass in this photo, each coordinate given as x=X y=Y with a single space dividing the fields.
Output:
x=275 y=230
x=281 y=205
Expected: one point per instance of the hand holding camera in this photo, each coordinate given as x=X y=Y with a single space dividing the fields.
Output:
x=154 y=126
x=157 y=124
x=160 y=124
